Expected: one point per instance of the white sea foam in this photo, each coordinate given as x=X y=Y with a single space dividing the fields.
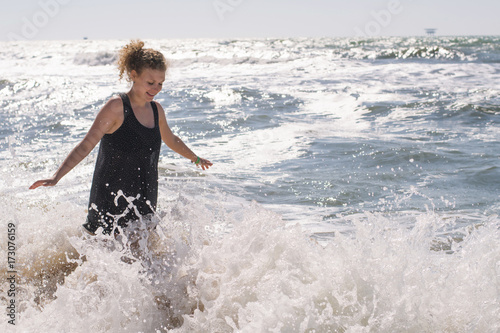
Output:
x=224 y=96
x=210 y=268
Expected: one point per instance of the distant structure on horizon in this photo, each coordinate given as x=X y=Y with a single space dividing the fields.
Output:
x=430 y=32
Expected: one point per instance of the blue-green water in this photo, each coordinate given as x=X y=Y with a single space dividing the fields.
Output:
x=355 y=185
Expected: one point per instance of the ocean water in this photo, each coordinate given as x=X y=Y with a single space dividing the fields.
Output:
x=355 y=188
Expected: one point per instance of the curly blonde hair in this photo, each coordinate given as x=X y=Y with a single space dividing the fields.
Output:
x=134 y=56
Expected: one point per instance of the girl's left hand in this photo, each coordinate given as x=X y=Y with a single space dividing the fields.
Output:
x=203 y=163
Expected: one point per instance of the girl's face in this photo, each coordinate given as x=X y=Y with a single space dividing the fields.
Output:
x=148 y=83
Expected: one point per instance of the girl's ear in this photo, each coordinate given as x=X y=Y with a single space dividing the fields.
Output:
x=133 y=75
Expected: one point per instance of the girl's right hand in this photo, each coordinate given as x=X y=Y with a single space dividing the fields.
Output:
x=43 y=182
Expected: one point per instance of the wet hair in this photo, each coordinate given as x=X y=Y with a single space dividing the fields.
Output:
x=134 y=56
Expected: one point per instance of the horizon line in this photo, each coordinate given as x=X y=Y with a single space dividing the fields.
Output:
x=85 y=38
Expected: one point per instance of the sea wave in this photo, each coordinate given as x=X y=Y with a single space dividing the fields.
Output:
x=271 y=51
x=431 y=52
x=375 y=180
x=239 y=268
x=95 y=58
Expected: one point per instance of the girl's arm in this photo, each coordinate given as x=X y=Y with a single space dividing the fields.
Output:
x=107 y=121
x=176 y=144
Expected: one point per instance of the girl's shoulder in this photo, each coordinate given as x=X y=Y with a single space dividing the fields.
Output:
x=112 y=109
x=161 y=111
x=111 y=115
x=158 y=105
x=114 y=105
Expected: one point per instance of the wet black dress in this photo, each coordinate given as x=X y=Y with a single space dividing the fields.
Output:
x=125 y=183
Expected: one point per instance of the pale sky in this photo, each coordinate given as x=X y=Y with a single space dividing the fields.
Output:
x=125 y=19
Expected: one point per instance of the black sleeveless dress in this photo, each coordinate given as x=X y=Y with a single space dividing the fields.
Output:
x=125 y=182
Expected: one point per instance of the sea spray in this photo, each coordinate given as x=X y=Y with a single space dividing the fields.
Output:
x=261 y=272
x=383 y=277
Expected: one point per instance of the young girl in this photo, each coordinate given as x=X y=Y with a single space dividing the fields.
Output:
x=130 y=128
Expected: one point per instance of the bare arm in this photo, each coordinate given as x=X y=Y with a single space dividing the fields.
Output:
x=107 y=121
x=176 y=144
